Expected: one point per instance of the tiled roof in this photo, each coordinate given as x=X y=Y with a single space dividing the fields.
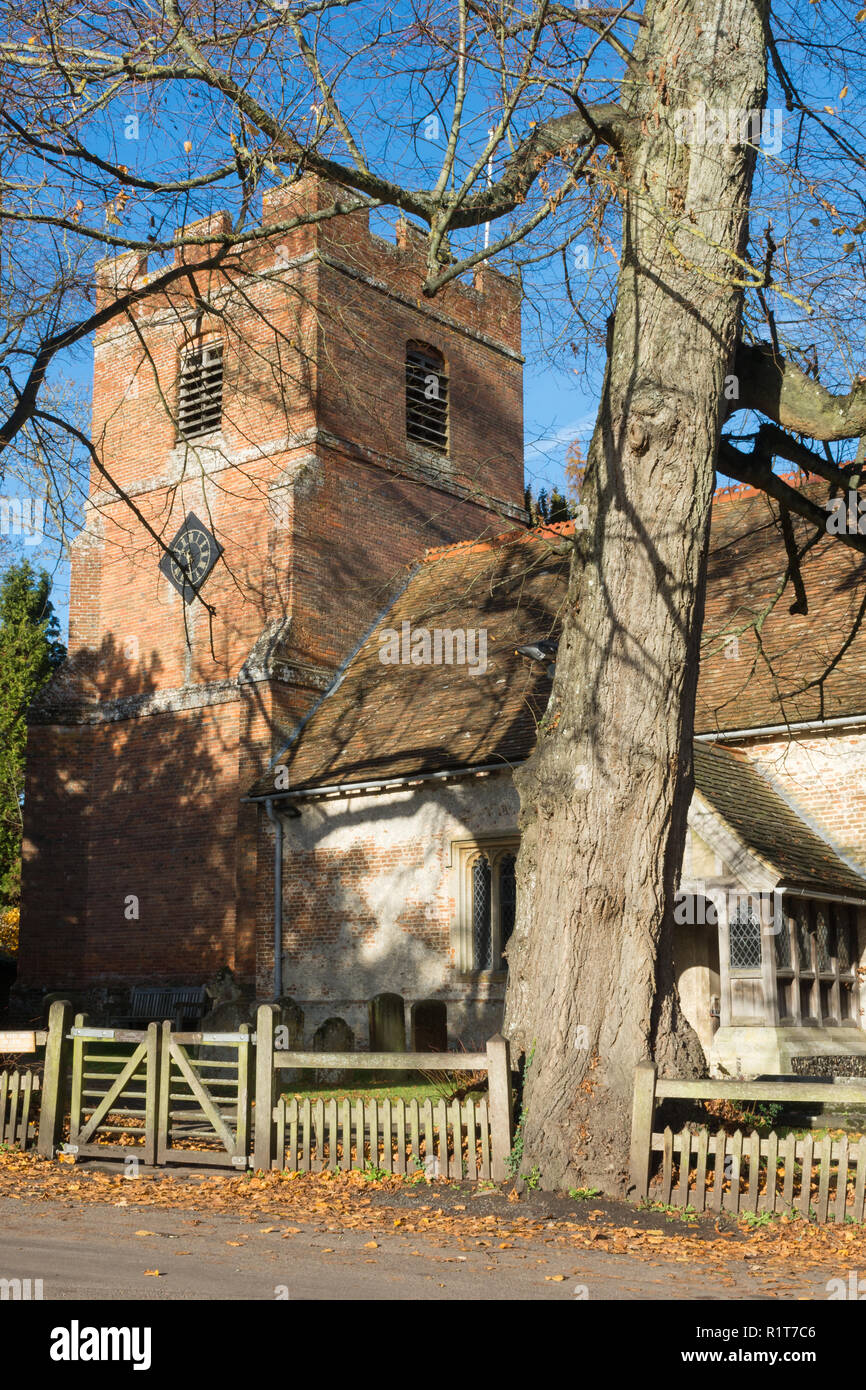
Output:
x=384 y=720
x=764 y=822
x=391 y=720
x=806 y=666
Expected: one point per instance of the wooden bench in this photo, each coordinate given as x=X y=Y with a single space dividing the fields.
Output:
x=182 y=1004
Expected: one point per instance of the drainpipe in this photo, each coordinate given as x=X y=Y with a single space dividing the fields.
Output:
x=277 y=823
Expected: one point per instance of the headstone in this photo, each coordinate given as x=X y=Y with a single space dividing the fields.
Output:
x=387 y=1014
x=226 y=1017
x=334 y=1035
x=289 y=1037
x=429 y=1026
x=290 y=1018
x=387 y=1023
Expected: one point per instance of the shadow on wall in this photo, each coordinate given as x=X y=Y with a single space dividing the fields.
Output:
x=372 y=911
x=129 y=831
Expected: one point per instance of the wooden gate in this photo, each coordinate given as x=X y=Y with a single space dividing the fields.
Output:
x=204 y=1098
x=113 y=1092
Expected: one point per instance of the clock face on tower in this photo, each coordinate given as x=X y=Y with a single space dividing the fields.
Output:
x=192 y=555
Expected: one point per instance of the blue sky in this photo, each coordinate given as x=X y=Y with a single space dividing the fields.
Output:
x=560 y=401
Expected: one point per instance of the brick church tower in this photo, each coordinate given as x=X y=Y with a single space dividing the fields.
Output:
x=296 y=428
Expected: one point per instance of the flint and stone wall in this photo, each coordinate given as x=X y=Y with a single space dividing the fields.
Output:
x=370 y=905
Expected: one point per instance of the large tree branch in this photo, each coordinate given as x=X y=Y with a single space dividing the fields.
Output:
x=777 y=388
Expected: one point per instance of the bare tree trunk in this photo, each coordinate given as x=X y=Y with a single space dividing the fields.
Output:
x=604 y=799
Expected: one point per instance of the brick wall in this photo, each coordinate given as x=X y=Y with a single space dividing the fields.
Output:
x=142 y=748
x=824 y=775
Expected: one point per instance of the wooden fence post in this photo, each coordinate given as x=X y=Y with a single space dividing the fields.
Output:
x=54 y=1078
x=242 y=1132
x=151 y=1095
x=265 y=1087
x=643 y=1109
x=499 y=1089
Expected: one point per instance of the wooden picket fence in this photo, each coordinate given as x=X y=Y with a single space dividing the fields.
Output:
x=18 y=1108
x=449 y=1140
x=823 y=1179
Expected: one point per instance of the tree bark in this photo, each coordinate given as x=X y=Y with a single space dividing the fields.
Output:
x=605 y=797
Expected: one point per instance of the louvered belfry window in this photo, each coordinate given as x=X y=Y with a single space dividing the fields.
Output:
x=426 y=397
x=200 y=398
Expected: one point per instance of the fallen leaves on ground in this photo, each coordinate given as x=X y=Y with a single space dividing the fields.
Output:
x=782 y=1249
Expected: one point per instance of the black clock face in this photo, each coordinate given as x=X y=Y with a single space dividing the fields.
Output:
x=192 y=555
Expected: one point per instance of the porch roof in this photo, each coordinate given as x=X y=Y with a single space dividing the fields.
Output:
x=765 y=823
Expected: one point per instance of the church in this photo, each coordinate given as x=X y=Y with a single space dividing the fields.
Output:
x=312 y=635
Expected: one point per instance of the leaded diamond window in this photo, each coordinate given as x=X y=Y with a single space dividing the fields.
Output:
x=487 y=903
x=745 y=940
x=481 y=941
x=783 y=943
x=822 y=939
x=843 y=942
x=819 y=984
x=804 y=937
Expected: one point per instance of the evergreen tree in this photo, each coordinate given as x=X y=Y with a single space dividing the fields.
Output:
x=559 y=508
x=548 y=509
x=30 y=650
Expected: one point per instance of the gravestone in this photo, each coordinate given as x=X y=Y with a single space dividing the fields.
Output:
x=830 y=1114
x=387 y=1015
x=290 y=1018
x=387 y=1023
x=429 y=1026
x=334 y=1035
x=229 y=1008
x=289 y=1037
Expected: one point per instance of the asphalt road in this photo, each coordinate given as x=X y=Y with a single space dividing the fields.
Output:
x=97 y=1252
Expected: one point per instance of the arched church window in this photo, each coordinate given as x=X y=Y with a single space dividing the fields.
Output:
x=426 y=397
x=487 y=903
x=200 y=392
